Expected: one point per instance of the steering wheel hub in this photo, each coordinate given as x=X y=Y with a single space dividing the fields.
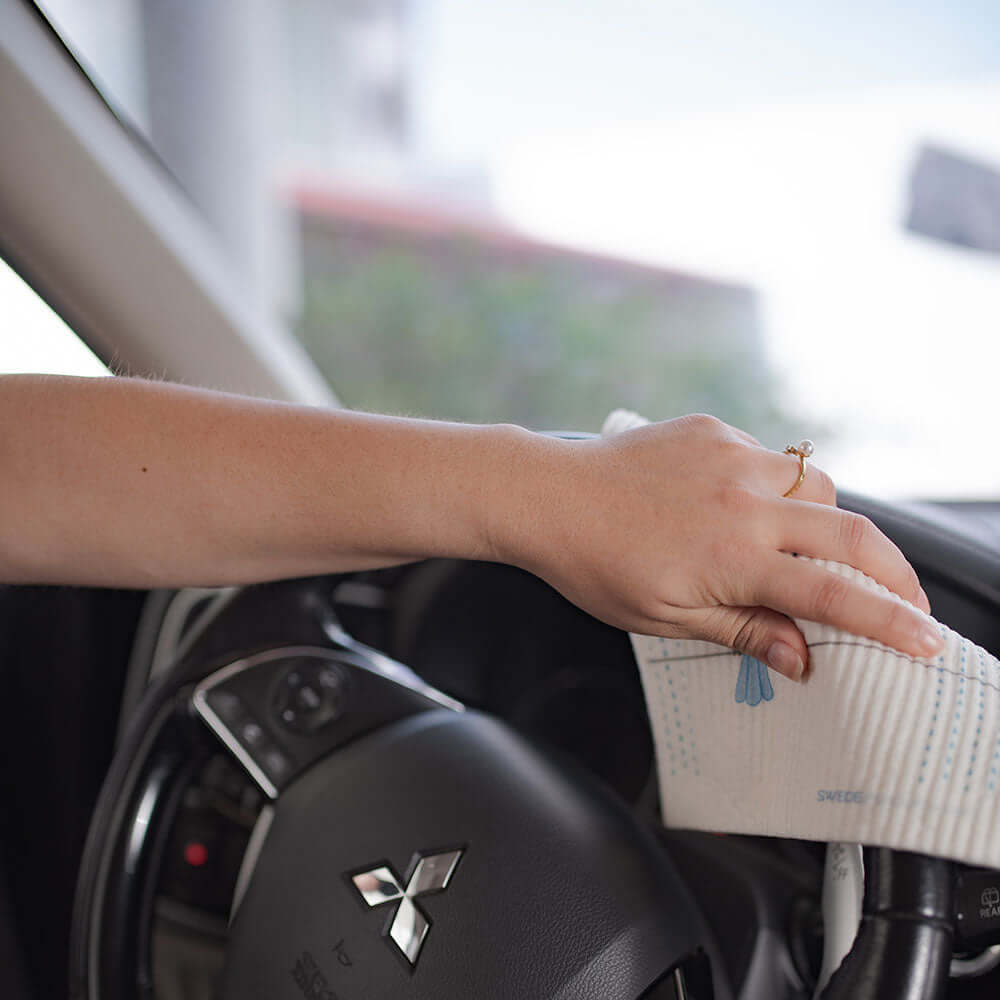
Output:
x=442 y=856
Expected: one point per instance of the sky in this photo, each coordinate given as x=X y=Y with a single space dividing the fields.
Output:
x=487 y=73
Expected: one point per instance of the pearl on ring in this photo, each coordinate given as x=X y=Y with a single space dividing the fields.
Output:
x=801 y=451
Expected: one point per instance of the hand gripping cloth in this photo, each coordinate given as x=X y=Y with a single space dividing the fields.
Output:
x=875 y=746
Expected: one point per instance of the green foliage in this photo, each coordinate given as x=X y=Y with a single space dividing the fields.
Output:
x=458 y=330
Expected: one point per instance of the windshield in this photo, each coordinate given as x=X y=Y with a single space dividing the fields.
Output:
x=787 y=215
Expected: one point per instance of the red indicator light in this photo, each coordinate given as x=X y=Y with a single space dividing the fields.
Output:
x=195 y=854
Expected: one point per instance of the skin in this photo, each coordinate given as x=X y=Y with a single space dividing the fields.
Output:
x=675 y=529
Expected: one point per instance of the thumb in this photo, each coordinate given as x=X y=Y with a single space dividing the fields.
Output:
x=766 y=635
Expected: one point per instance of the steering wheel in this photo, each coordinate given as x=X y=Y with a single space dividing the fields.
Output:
x=412 y=848
x=408 y=847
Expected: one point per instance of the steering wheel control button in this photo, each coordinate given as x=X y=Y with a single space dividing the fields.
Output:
x=276 y=764
x=409 y=925
x=309 y=696
x=977 y=908
x=227 y=706
x=251 y=735
x=195 y=854
x=308 y=699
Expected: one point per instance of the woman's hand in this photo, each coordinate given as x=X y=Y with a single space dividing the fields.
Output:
x=679 y=529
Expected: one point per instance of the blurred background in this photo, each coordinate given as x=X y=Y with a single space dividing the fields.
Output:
x=787 y=215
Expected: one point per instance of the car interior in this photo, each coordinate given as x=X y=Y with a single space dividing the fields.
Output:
x=433 y=780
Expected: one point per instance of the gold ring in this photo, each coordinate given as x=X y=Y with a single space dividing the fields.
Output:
x=801 y=451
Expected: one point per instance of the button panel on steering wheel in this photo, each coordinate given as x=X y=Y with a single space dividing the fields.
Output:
x=281 y=710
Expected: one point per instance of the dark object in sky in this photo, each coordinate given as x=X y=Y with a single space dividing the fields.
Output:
x=955 y=199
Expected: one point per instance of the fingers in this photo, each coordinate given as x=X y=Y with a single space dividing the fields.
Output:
x=828 y=533
x=764 y=634
x=803 y=590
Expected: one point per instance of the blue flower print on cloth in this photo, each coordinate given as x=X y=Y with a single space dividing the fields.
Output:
x=753 y=684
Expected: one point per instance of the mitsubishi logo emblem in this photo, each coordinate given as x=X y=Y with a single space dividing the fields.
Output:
x=409 y=925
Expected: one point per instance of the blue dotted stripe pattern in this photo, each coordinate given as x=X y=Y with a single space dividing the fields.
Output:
x=934 y=718
x=664 y=682
x=676 y=721
x=980 y=712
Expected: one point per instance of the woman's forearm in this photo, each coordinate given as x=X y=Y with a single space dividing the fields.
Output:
x=132 y=483
x=675 y=529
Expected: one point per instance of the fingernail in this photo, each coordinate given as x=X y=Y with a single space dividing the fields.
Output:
x=785 y=660
x=929 y=639
x=926 y=601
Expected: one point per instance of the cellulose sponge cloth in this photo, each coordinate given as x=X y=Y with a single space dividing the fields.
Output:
x=875 y=746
